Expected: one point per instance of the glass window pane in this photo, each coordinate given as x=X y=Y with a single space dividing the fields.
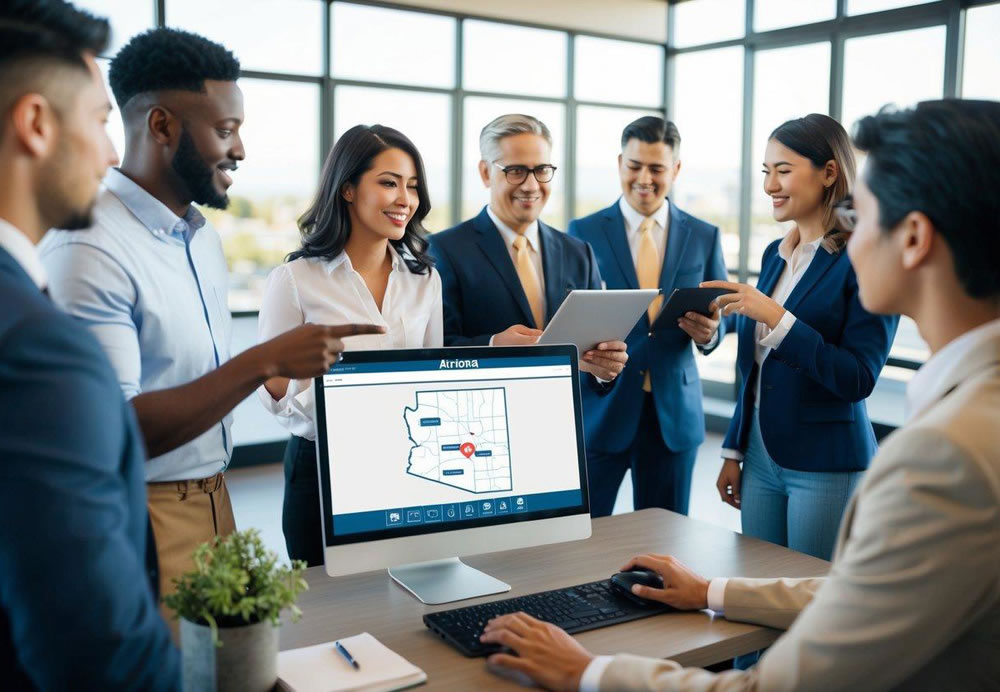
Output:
x=982 y=53
x=707 y=21
x=379 y=44
x=711 y=125
x=618 y=72
x=710 y=121
x=598 y=144
x=127 y=17
x=866 y=6
x=808 y=68
x=778 y=14
x=512 y=59
x=266 y=35
x=900 y=68
x=481 y=110
x=273 y=186
x=423 y=117
x=909 y=344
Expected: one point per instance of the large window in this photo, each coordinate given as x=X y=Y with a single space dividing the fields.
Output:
x=734 y=78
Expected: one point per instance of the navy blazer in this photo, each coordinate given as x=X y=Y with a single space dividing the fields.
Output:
x=814 y=385
x=77 y=564
x=481 y=291
x=693 y=255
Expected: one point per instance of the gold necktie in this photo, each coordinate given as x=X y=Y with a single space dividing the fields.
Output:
x=529 y=279
x=647 y=267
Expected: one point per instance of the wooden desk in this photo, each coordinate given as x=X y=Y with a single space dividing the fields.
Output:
x=372 y=602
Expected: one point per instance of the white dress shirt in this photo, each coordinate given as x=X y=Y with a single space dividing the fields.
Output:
x=152 y=287
x=24 y=253
x=633 y=219
x=534 y=248
x=312 y=289
x=938 y=367
x=797 y=256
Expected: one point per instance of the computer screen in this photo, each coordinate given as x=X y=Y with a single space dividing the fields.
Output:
x=425 y=441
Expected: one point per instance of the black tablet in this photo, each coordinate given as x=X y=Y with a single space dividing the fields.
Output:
x=684 y=300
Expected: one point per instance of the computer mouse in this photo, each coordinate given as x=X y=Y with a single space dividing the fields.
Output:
x=622 y=583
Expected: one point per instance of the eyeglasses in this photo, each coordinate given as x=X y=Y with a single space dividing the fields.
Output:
x=516 y=175
x=845 y=213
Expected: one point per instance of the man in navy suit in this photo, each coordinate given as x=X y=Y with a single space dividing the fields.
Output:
x=652 y=421
x=77 y=564
x=505 y=273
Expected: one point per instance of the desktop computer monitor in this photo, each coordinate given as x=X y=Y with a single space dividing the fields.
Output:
x=428 y=454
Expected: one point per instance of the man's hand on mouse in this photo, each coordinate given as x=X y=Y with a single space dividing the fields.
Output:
x=682 y=588
x=545 y=653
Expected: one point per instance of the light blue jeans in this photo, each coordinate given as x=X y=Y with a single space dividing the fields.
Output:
x=797 y=509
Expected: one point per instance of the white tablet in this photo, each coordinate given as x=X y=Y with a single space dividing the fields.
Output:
x=587 y=318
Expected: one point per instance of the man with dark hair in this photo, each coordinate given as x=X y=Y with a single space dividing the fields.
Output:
x=77 y=564
x=652 y=421
x=150 y=281
x=912 y=601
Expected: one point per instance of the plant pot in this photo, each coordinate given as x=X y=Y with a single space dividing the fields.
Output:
x=247 y=660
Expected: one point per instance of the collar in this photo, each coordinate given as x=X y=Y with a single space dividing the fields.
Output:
x=633 y=219
x=790 y=242
x=24 y=253
x=508 y=233
x=151 y=212
x=959 y=359
x=342 y=260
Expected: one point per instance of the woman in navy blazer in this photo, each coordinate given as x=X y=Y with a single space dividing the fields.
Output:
x=809 y=354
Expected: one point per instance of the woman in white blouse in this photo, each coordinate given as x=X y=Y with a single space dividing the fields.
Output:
x=363 y=260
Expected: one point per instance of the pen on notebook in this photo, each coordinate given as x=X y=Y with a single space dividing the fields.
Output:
x=346 y=654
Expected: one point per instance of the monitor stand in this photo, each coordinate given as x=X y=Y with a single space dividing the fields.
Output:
x=444 y=581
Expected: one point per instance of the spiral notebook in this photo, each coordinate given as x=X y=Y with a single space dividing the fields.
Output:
x=321 y=668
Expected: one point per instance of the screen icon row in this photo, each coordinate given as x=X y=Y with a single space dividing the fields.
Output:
x=458 y=511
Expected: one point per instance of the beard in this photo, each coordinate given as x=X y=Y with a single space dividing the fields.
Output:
x=196 y=174
x=57 y=201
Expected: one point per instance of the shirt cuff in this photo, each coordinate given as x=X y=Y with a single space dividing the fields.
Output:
x=491 y=339
x=711 y=342
x=732 y=454
x=778 y=334
x=591 y=679
x=717 y=594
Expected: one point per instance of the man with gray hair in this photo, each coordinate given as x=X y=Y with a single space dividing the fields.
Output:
x=504 y=273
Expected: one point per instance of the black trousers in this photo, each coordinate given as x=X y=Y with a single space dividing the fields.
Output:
x=300 y=513
x=660 y=477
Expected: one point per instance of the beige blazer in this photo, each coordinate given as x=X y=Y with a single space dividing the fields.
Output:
x=912 y=601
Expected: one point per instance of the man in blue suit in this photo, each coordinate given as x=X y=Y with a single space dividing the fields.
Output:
x=505 y=273
x=77 y=564
x=652 y=421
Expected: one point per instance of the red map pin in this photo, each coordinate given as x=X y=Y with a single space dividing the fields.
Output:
x=467 y=449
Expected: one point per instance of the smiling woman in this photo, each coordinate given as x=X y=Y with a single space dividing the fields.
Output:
x=362 y=260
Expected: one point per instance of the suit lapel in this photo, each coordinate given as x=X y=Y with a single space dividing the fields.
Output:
x=492 y=245
x=769 y=274
x=677 y=240
x=614 y=231
x=821 y=262
x=552 y=268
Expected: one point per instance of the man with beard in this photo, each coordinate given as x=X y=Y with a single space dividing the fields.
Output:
x=77 y=564
x=150 y=281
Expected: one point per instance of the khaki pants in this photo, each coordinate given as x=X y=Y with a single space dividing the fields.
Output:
x=184 y=515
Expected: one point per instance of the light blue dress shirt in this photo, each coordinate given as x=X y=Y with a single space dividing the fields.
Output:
x=151 y=286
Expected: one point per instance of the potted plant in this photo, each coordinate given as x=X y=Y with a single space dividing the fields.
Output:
x=230 y=606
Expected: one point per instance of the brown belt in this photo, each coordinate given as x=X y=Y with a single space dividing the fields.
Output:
x=206 y=485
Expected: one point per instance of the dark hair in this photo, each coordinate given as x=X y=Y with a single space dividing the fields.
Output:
x=161 y=59
x=326 y=226
x=941 y=158
x=821 y=139
x=651 y=129
x=37 y=35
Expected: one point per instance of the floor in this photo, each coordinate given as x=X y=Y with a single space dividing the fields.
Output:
x=257 y=494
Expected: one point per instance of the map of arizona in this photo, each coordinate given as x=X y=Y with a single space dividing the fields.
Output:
x=460 y=438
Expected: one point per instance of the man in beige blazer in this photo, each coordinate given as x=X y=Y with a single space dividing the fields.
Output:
x=912 y=600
